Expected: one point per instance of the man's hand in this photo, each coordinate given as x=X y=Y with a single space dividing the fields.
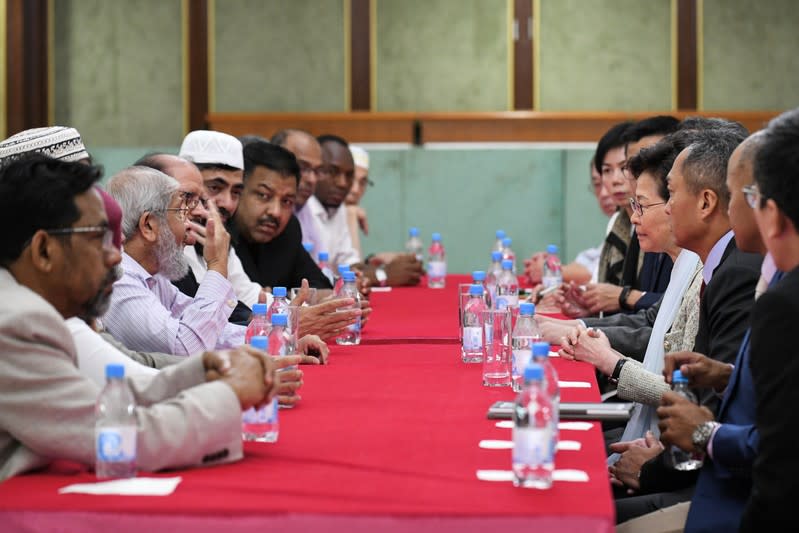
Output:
x=679 y=417
x=313 y=350
x=325 y=320
x=601 y=297
x=553 y=329
x=702 y=371
x=249 y=372
x=363 y=283
x=404 y=270
x=217 y=241
x=571 y=302
x=627 y=470
x=534 y=267
x=366 y=311
x=290 y=379
x=592 y=346
x=304 y=294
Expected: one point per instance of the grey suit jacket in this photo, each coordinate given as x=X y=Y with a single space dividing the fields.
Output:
x=628 y=334
x=47 y=407
x=151 y=359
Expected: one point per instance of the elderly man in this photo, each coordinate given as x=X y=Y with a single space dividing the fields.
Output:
x=56 y=253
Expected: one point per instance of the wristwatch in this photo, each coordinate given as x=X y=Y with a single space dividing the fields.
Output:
x=701 y=435
x=382 y=277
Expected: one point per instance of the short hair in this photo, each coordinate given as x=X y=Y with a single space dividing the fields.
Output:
x=249 y=139
x=271 y=156
x=151 y=160
x=777 y=164
x=712 y=123
x=139 y=190
x=281 y=136
x=657 y=125
x=613 y=138
x=657 y=160
x=36 y=193
x=707 y=159
x=329 y=137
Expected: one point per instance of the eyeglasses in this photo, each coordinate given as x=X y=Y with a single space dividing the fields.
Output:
x=306 y=169
x=752 y=195
x=638 y=208
x=108 y=235
x=182 y=212
x=191 y=200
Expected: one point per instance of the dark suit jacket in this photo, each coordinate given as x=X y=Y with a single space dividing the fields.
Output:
x=775 y=369
x=653 y=279
x=281 y=262
x=188 y=285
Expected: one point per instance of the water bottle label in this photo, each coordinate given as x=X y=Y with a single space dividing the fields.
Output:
x=472 y=338
x=532 y=446
x=437 y=269
x=265 y=415
x=520 y=359
x=116 y=444
x=505 y=301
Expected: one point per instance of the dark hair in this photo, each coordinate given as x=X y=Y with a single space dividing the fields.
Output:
x=248 y=139
x=613 y=138
x=281 y=136
x=777 y=164
x=271 y=156
x=657 y=160
x=713 y=123
x=215 y=166
x=658 y=125
x=328 y=137
x=707 y=159
x=38 y=192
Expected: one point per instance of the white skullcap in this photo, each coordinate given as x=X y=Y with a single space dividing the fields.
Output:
x=58 y=142
x=359 y=156
x=214 y=147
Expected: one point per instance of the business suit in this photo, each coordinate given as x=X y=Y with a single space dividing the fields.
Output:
x=775 y=370
x=47 y=406
x=628 y=333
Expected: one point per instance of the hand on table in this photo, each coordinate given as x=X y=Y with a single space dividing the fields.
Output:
x=325 y=319
x=679 y=417
x=571 y=302
x=534 y=267
x=290 y=379
x=592 y=346
x=404 y=270
x=601 y=297
x=313 y=350
x=702 y=371
x=249 y=372
x=627 y=470
x=552 y=329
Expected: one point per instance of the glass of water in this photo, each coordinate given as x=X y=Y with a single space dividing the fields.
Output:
x=497 y=348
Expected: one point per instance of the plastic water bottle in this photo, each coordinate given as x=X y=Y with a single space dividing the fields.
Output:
x=280 y=303
x=414 y=244
x=534 y=442
x=525 y=334
x=507 y=287
x=494 y=270
x=258 y=325
x=681 y=460
x=436 y=264
x=479 y=278
x=324 y=266
x=551 y=384
x=500 y=234
x=472 y=347
x=261 y=424
x=508 y=253
x=116 y=427
x=552 y=276
x=352 y=335
x=340 y=279
x=308 y=248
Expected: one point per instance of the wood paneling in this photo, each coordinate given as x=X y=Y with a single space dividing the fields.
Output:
x=198 y=63
x=523 y=55
x=27 y=75
x=686 y=55
x=360 y=67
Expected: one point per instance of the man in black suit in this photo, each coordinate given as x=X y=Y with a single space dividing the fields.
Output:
x=774 y=363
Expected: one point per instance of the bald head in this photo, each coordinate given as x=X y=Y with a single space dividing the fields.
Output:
x=740 y=174
x=306 y=149
x=189 y=178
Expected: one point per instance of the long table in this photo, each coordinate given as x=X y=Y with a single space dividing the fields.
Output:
x=386 y=436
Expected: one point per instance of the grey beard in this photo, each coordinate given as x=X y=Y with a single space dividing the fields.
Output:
x=172 y=264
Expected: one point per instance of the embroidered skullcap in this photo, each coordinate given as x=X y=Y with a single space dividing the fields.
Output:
x=214 y=147
x=58 y=142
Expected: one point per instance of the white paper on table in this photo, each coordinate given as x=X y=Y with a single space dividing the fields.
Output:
x=569 y=445
x=507 y=475
x=572 y=426
x=381 y=289
x=137 y=486
x=574 y=385
x=554 y=354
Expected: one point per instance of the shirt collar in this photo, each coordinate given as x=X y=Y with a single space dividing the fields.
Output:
x=714 y=257
x=318 y=210
x=768 y=268
x=134 y=269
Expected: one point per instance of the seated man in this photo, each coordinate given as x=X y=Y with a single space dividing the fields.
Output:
x=54 y=262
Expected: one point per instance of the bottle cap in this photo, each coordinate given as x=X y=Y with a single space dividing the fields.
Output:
x=552 y=249
x=324 y=256
x=259 y=309
x=279 y=319
x=436 y=237
x=113 y=370
x=308 y=246
x=348 y=275
x=343 y=268
x=533 y=372
x=476 y=290
x=500 y=234
x=496 y=256
x=507 y=241
x=259 y=342
x=677 y=377
x=478 y=275
x=527 y=309
x=507 y=264
x=413 y=232
x=541 y=349
x=279 y=292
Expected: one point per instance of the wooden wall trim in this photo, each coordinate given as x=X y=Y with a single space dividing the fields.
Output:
x=523 y=55
x=360 y=56
x=27 y=75
x=687 y=78
x=197 y=50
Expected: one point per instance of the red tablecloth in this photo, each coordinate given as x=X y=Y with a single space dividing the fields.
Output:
x=386 y=437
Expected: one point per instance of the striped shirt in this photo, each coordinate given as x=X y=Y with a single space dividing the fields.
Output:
x=148 y=313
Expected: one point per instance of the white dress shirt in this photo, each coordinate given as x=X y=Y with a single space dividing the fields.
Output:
x=247 y=291
x=310 y=231
x=714 y=257
x=150 y=314
x=334 y=233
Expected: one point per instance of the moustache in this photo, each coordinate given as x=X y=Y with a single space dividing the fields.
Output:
x=268 y=220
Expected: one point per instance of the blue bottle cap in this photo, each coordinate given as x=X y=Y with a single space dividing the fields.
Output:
x=324 y=256
x=259 y=342
x=308 y=246
x=113 y=370
x=507 y=241
x=343 y=268
x=507 y=264
x=527 y=309
x=541 y=349
x=552 y=249
x=478 y=275
x=500 y=234
x=677 y=377
x=279 y=319
x=413 y=232
x=533 y=372
x=348 y=275
x=436 y=237
x=476 y=290
x=496 y=256
x=259 y=309
x=279 y=292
